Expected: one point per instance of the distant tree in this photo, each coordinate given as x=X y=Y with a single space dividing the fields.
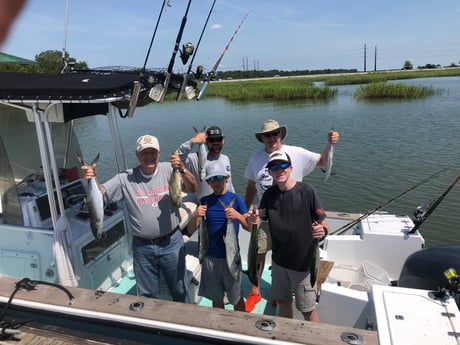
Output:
x=430 y=66
x=50 y=61
x=407 y=65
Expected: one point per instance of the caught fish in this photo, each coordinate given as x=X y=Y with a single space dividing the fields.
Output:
x=203 y=240
x=330 y=160
x=175 y=187
x=252 y=253
x=315 y=266
x=94 y=203
x=202 y=157
x=231 y=245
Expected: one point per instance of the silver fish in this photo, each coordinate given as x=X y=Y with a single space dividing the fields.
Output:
x=231 y=245
x=330 y=161
x=252 y=253
x=175 y=187
x=94 y=203
x=203 y=240
x=202 y=157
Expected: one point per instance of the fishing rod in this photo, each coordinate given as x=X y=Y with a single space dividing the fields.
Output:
x=64 y=46
x=184 y=82
x=163 y=8
x=173 y=57
x=214 y=69
x=368 y=213
x=421 y=216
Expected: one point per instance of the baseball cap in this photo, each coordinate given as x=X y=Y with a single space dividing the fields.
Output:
x=215 y=168
x=214 y=132
x=147 y=141
x=278 y=156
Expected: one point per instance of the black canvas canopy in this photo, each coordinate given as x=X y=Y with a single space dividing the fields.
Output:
x=66 y=88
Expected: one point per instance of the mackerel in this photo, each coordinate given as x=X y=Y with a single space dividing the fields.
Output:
x=203 y=240
x=232 y=253
x=253 y=250
x=330 y=160
x=202 y=157
x=175 y=187
x=94 y=203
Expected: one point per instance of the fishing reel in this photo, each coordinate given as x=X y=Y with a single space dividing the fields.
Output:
x=199 y=72
x=454 y=284
x=186 y=52
x=452 y=278
x=419 y=214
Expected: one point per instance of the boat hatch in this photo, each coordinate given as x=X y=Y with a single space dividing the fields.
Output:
x=19 y=264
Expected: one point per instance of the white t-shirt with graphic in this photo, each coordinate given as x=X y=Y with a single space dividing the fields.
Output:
x=303 y=163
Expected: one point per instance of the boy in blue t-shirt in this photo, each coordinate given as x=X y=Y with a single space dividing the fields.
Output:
x=222 y=213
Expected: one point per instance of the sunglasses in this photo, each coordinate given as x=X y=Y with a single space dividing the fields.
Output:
x=275 y=167
x=271 y=134
x=216 y=178
x=215 y=140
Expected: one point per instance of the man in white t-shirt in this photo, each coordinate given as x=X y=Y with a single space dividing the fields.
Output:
x=259 y=180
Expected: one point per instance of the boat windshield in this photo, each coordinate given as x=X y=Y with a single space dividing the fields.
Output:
x=10 y=209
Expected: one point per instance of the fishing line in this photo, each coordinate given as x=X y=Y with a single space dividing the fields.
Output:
x=174 y=53
x=368 y=213
x=216 y=65
x=423 y=215
x=184 y=82
x=163 y=7
x=201 y=35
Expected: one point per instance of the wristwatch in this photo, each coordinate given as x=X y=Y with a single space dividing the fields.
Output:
x=183 y=171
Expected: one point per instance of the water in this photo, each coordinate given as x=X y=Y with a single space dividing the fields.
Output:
x=385 y=147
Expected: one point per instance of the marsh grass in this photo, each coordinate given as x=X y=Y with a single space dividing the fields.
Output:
x=371 y=77
x=275 y=90
x=303 y=87
x=385 y=90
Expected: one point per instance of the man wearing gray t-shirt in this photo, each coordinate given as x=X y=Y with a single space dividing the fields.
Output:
x=213 y=138
x=153 y=218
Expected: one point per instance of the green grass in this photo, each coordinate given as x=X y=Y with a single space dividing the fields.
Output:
x=302 y=87
x=269 y=89
x=365 y=78
x=385 y=90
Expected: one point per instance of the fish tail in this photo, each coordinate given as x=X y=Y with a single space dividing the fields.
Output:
x=83 y=162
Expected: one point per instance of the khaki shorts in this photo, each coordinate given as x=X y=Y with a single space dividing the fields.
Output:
x=265 y=241
x=286 y=282
x=216 y=280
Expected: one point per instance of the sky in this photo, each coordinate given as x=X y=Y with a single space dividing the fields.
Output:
x=284 y=35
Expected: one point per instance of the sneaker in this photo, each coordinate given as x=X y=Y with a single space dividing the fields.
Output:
x=251 y=301
x=273 y=301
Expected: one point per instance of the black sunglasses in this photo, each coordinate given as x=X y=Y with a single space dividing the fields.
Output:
x=215 y=140
x=275 y=167
x=271 y=134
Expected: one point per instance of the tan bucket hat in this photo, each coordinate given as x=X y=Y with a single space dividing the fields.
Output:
x=271 y=126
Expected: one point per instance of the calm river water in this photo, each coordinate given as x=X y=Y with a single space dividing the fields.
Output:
x=385 y=147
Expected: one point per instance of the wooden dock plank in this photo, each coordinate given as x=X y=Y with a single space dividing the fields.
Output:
x=186 y=318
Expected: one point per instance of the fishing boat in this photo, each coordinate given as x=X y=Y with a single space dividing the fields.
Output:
x=54 y=272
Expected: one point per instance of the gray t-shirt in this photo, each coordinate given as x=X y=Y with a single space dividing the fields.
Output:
x=151 y=212
x=190 y=160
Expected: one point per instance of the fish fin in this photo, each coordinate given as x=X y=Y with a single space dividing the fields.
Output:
x=81 y=160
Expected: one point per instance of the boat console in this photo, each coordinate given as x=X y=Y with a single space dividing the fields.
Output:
x=91 y=258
